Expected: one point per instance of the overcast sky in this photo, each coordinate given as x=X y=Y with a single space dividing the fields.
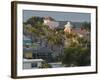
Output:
x=58 y=16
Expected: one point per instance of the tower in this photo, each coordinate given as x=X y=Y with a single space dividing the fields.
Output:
x=68 y=27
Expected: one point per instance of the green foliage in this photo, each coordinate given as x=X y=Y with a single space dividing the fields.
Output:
x=83 y=42
x=52 y=37
x=84 y=57
x=55 y=38
x=34 y=20
x=87 y=26
x=46 y=65
x=58 y=58
x=76 y=56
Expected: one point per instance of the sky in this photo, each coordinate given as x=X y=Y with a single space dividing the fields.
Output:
x=58 y=16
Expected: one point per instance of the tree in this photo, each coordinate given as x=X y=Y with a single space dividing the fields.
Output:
x=76 y=56
x=45 y=65
x=86 y=25
x=72 y=39
x=52 y=37
x=83 y=42
x=34 y=20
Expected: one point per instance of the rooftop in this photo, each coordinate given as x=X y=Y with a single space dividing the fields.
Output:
x=48 y=18
x=33 y=60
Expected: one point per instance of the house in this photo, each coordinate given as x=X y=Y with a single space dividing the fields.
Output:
x=32 y=63
x=81 y=32
x=27 y=53
x=35 y=50
x=27 y=47
x=49 y=21
x=43 y=53
x=27 y=42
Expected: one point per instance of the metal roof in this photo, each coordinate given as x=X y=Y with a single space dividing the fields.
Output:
x=41 y=50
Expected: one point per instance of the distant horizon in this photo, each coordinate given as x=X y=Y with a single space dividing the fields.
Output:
x=58 y=16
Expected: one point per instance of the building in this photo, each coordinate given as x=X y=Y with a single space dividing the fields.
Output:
x=43 y=53
x=32 y=63
x=27 y=47
x=27 y=42
x=49 y=21
x=81 y=32
x=68 y=27
x=27 y=53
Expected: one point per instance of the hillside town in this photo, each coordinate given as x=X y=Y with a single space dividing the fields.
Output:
x=46 y=43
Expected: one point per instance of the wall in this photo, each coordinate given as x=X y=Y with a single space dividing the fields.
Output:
x=5 y=40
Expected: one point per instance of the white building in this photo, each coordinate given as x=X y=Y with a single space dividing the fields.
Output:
x=32 y=63
x=68 y=27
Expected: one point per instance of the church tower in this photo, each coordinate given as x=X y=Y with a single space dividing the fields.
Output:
x=68 y=27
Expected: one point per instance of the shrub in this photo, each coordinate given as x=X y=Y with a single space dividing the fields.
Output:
x=76 y=56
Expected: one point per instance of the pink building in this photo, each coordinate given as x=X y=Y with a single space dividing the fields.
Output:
x=49 y=21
